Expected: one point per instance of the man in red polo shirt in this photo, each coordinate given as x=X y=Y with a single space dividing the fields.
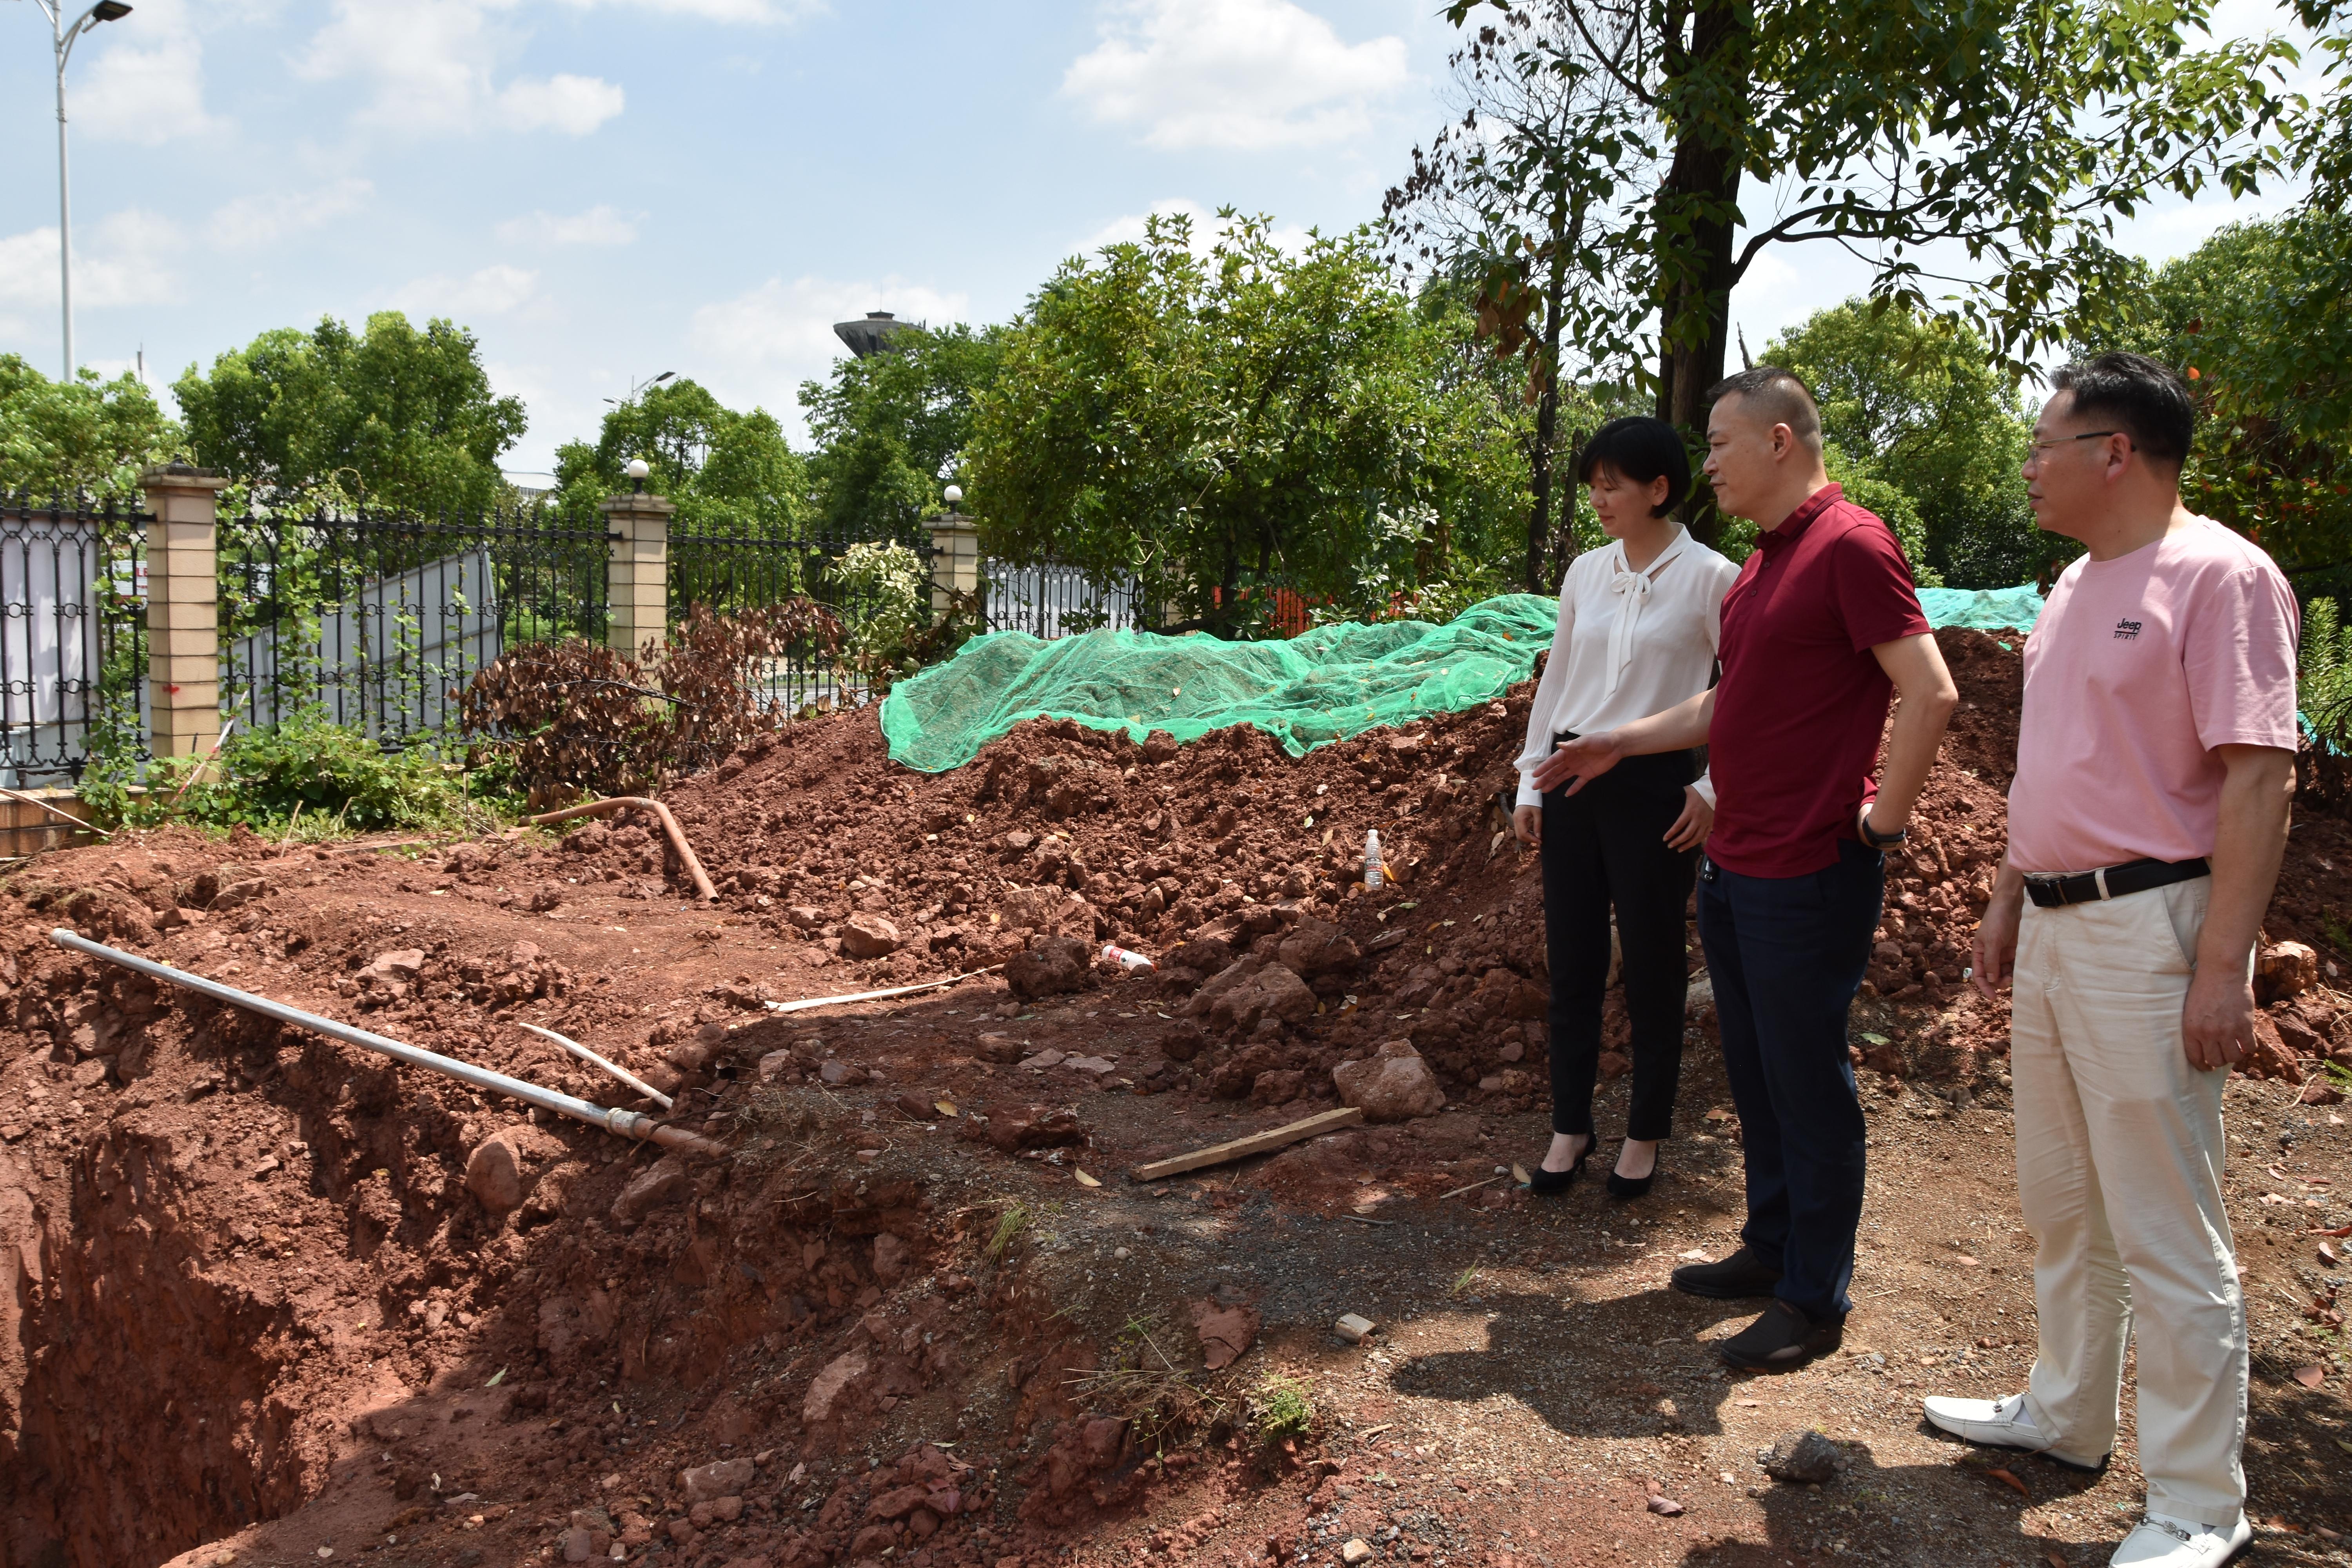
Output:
x=1822 y=628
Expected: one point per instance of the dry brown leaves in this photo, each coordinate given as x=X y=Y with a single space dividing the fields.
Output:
x=577 y=714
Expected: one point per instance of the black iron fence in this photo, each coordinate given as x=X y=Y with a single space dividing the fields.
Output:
x=73 y=636
x=1051 y=599
x=374 y=622
x=879 y=589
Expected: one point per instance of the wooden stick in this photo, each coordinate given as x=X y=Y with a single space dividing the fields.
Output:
x=393 y=843
x=585 y=1054
x=56 y=811
x=198 y=771
x=1471 y=1188
x=685 y=855
x=1255 y=1143
x=808 y=1002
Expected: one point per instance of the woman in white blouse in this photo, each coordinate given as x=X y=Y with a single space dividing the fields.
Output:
x=1639 y=622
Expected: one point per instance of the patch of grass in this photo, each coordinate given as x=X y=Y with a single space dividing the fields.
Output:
x=2339 y=935
x=1009 y=1227
x=1144 y=1384
x=1280 y=1408
x=1462 y=1281
x=304 y=779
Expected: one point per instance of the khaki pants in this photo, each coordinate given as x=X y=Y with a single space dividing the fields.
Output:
x=2119 y=1151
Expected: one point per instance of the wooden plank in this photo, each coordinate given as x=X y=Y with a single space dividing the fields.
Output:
x=1255 y=1143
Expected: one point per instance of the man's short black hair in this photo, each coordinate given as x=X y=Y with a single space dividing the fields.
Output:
x=1780 y=396
x=2146 y=400
x=1640 y=450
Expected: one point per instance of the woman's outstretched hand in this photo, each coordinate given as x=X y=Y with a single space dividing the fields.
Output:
x=1579 y=762
x=1698 y=820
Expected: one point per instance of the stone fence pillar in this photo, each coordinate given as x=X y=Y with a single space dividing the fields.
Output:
x=183 y=697
x=955 y=559
x=637 y=580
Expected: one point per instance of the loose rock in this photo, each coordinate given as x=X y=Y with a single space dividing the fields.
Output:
x=869 y=936
x=1396 y=1085
x=1801 y=1458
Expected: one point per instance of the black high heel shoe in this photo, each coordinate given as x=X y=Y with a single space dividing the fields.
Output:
x=1626 y=1187
x=1552 y=1184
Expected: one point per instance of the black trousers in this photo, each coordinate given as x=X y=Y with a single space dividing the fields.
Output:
x=1606 y=846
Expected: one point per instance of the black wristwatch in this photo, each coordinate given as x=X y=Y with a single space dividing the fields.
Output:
x=1877 y=840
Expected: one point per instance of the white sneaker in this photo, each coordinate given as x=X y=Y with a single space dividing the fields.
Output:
x=2160 y=1541
x=2002 y=1424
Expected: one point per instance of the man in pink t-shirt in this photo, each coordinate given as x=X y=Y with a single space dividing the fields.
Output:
x=2155 y=770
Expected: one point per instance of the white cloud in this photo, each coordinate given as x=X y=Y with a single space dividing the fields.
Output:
x=598 y=226
x=1247 y=74
x=122 y=259
x=147 y=83
x=752 y=11
x=764 y=344
x=430 y=63
x=492 y=291
x=251 y=222
x=572 y=104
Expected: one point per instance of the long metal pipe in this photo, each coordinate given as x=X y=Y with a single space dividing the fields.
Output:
x=627 y=1123
x=640 y=803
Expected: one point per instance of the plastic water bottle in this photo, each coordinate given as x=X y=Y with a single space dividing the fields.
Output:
x=1372 y=869
x=1126 y=958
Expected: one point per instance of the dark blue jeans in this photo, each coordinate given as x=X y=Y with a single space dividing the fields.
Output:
x=1786 y=955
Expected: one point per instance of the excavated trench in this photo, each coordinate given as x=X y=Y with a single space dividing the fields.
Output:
x=147 y=1418
x=268 y=1259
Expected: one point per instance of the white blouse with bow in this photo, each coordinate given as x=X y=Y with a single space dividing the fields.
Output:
x=1629 y=644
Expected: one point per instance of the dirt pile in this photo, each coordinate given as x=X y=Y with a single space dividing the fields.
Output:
x=244 y=1270
x=1241 y=868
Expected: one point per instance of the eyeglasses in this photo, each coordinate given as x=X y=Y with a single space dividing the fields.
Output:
x=2042 y=448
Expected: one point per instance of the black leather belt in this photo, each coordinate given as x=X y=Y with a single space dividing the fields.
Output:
x=2049 y=889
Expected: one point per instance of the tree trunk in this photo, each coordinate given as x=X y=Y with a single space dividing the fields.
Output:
x=1547 y=425
x=1698 y=209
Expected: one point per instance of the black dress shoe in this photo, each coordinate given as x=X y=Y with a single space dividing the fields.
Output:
x=1782 y=1340
x=1552 y=1184
x=1735 y=1278
x=1625 y=1187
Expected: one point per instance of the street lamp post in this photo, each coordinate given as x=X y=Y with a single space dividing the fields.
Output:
x=637 y=386
x=64 y=37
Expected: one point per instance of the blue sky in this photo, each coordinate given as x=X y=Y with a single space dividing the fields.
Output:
x=607 y=189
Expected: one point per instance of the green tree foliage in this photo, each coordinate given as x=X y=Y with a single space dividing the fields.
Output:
x=728 y=472
x=1917 y=402
x=1519 y=159
x=2260 y=317
x=2323 y=684
x=2016 y=132
x=889 y=429
x=1244 y=419
x=392 y=417
x=2323 y=134
x=84 y=437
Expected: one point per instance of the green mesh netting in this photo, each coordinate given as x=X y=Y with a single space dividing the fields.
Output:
x=1326 y=685
x=1986 y=609
x=1330 y=684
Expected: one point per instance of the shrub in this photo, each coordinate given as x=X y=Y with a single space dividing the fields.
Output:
x=2323 y=687
x=897 y=593
x=578 y=715
x=303 y=769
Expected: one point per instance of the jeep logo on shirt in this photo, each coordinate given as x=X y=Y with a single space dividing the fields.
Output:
x=2127 y=630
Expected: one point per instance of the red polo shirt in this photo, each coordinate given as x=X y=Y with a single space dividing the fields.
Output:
x=1802 y=704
